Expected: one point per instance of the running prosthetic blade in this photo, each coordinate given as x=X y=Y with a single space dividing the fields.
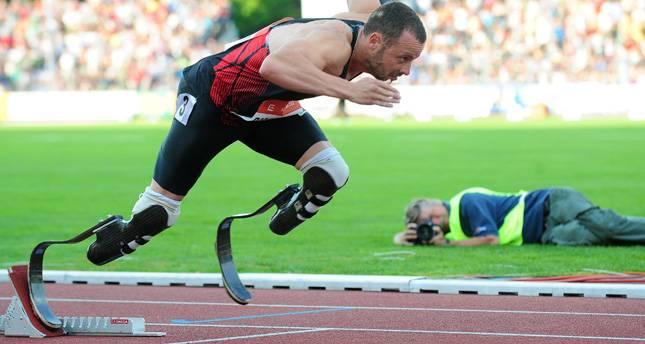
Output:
x=234 y=286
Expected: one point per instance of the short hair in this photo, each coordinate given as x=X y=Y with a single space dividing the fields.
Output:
x=392 y=19
x=413 y=210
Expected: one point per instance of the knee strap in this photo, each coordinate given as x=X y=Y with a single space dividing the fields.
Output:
x=320 y=182
x=317 y=189
x=323 y=175
x=143 y=226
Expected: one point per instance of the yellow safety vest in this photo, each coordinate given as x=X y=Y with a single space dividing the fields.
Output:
x=510 y=233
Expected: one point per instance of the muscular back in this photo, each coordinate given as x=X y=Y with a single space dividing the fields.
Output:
x=329 y=39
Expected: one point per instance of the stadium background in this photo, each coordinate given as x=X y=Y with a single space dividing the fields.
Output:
x=519 y=59
x=508 y=94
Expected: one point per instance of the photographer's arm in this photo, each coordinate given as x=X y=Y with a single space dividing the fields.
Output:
x=476 y=241
x=400 y=239
x=407 y=237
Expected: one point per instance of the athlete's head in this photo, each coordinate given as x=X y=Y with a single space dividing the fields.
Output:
x=395 y=38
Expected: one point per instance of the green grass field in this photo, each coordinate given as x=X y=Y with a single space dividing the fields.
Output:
x=57 y=181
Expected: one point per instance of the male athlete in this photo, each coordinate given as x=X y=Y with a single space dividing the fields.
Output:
x=249 y=93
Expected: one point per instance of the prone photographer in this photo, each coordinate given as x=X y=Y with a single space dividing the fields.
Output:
x=427 y=223
x=479 y=216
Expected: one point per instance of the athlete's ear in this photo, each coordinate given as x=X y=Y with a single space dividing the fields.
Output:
x=375 y=40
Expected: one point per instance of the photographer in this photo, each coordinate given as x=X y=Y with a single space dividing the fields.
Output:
x=558 y=216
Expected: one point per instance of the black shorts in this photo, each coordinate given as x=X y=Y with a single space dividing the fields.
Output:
x=189 y=147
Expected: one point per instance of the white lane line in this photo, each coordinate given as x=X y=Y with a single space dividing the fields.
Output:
x=251 y=336
x=404 y=309
x=412 y=331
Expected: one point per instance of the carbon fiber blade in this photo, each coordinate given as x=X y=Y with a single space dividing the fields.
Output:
x=232 y=283
x=35 y=274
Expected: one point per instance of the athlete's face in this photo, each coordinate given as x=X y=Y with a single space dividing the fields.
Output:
x=388 y=62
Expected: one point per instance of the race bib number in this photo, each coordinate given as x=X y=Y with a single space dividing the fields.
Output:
x=185 y=104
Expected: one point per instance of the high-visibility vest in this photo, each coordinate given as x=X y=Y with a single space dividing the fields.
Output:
x=510 y=233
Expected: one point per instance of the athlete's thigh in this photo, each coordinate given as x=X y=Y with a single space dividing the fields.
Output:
x=197 y=134
x=284 y=139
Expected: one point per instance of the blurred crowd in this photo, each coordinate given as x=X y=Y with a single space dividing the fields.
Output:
x=107 y=44
x=144 y=44
x=532 y=41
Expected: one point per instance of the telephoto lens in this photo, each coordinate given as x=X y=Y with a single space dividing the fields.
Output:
x=425 y=233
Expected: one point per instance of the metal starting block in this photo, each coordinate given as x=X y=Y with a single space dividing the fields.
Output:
x=29 y=314
x=20 y=319
x=16 y=323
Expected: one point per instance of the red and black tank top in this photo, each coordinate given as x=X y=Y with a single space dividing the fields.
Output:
x=236 y=85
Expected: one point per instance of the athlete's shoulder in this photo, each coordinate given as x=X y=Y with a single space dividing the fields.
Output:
x=329 y=30
x=335 y=38
x=362 y=17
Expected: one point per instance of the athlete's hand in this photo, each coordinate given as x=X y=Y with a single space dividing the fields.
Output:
x=369 y=91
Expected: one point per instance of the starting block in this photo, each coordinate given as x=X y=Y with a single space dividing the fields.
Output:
x=29 y=314
x=20 y=319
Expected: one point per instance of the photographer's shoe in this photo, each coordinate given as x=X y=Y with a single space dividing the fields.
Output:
x=123 y=237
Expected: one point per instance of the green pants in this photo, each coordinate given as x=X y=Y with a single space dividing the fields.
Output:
x=573 y=220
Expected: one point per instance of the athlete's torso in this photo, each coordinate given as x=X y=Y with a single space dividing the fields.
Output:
x=236 y=85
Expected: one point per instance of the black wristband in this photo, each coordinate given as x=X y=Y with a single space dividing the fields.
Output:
x=383 y=2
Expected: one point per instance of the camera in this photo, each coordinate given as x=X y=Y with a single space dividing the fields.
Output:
x=425 y=232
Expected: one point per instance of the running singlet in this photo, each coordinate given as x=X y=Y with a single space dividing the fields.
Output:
x=237 y=86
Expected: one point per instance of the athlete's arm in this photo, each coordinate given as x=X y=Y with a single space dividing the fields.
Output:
x=359 y=9
x=363 y=6
x=306 y=64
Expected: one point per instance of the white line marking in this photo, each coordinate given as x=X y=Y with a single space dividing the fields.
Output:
x=252 y=336
x=394 y=253
x=350 y=329
x=410 y=309
x=598 y=271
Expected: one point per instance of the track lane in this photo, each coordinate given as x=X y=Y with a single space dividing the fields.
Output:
x=363 y=317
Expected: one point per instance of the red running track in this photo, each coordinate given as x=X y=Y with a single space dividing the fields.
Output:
x=207 y=315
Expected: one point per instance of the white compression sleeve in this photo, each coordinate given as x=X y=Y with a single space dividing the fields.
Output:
x=149 y=198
